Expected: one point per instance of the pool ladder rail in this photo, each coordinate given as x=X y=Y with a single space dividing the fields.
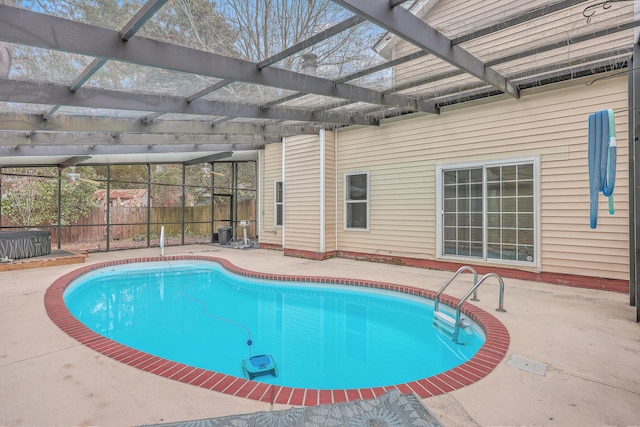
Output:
x=450 y=325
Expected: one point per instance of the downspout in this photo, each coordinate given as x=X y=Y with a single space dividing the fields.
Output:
x=632 y=185
x=108 y=201
x=335 y=164
x=0 y=198
x=259 y=195
x=234 y=200
x=284 y=193
x=149 y=210
x=634 y=172
x=59 y=226
x=184 y=205
x=322 y=191
x=212 y=191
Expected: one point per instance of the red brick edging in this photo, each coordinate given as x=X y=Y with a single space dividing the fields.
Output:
x=486 y=359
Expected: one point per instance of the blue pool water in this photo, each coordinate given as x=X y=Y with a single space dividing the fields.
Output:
x=319 y=336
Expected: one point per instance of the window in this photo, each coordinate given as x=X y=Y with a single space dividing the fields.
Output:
x=356 y=203
x=279 y=204
x=488 y=211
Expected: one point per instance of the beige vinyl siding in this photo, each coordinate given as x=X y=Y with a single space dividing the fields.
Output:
x=302 y=193
x=400 y=204
x=401 y=156
x=456 y=18
x=330 y=203
x=271 y=171
x=568 y=244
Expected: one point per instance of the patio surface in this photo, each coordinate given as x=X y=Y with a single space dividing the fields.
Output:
x=588 y=340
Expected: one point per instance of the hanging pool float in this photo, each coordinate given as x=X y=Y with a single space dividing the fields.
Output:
x=602 y=152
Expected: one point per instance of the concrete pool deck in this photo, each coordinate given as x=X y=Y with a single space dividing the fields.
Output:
x=586 y=339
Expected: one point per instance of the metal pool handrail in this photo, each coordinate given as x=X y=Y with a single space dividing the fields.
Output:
x=468 y=294
x=453 y=276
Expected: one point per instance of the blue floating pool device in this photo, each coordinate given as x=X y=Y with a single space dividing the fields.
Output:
x=262 y=364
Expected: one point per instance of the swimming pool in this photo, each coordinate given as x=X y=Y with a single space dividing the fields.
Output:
x=303 y=345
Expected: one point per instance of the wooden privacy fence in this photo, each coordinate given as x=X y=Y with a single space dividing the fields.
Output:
x=131 y=222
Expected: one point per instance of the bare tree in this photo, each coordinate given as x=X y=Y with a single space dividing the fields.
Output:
x=266 y=27
x=192 y=23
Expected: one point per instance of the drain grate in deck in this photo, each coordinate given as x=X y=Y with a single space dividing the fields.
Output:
x=532 y=366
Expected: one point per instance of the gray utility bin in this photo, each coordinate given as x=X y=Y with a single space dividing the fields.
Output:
x=225 y=234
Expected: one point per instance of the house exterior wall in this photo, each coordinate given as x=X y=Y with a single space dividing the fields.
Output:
x=270 y=172
x=302 y=193
x=402 y=200
x=401 y=157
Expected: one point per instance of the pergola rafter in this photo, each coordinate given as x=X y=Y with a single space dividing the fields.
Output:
x=72 y=161
x=572 y=41
x=536 y=50
x=409 y=27
x=208 y=159
x=298 y=47
x=49 y=32
x=534 y=13
x=49 y=93
x=18 y=140
x=34 y=122
x=40 y=152
x=145 y=13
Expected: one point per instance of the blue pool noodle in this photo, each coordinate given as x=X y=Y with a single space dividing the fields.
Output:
x=601 y=160
x=613 y=154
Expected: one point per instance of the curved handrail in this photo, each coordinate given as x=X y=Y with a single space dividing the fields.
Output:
x=468 y=294
x=442 y=288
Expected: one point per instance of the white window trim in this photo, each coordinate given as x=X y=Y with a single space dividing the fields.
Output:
x=275 y=203
x=536 y=210
x=345 y=202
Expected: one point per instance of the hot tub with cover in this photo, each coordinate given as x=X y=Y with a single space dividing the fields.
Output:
x=24 y=243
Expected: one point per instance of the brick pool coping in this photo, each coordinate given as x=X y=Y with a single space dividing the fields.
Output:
x=482 y=364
